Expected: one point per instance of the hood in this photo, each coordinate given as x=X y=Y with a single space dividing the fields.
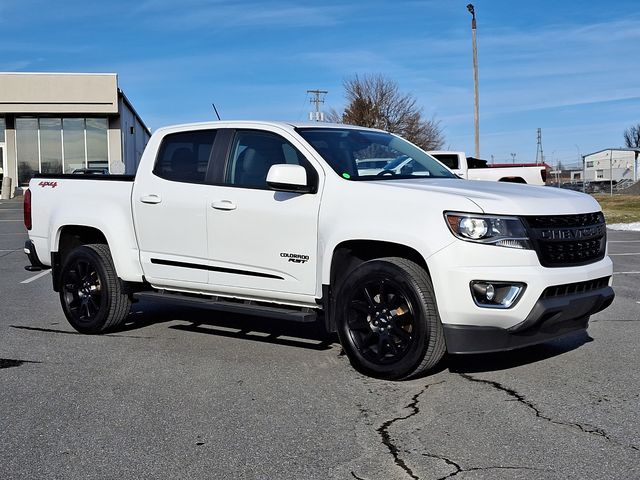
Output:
x=504 y=198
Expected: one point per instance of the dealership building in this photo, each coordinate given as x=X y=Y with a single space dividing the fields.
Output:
x=55 y=123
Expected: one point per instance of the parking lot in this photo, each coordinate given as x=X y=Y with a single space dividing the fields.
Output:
x=185 y=392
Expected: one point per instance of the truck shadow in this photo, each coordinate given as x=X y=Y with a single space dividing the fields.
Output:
x=313 y=336
x=491 y=362
x=209 y=321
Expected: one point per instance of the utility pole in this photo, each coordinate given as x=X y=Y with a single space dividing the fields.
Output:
x=611 y=172
x=513 y=158
x=476 y=111
x=318 y=98
x=539 y=152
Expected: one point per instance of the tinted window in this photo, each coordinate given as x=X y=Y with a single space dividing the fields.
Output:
x=449 y=160
x=254 y=152
x=184 y=157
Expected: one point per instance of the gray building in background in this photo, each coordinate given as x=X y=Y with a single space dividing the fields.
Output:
x=612 y=164
x=56 y=123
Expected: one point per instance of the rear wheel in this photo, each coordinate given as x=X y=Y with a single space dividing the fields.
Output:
x=90 y=293
x=387 y=319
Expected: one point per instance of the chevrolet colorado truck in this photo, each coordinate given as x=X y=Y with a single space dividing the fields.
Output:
x=288 y=220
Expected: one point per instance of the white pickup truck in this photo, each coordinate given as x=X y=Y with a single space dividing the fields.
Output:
x=476 y=169
x=278 y=219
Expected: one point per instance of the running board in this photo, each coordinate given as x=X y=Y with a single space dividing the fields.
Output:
x=247 y=307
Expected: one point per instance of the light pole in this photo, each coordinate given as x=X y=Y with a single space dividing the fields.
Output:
x=476 y=114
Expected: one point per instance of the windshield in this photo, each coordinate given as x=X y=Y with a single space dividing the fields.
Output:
x=367 y=155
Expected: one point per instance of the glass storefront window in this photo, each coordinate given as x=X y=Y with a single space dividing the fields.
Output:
x=74 y=157
x=97 y=148
x=27 y=149
x=2 y=129
x=50 y=145
x=59 y=145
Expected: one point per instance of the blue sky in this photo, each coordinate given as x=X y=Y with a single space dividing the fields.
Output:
x=570 y=68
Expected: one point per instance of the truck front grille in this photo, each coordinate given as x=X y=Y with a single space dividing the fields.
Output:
x=568 y=240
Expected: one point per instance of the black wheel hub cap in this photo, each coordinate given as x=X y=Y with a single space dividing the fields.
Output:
x=82 y=290
x=381 y=321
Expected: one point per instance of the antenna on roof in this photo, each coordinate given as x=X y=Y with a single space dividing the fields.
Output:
x=215 y=110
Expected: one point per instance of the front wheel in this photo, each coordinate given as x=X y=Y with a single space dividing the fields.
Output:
x=90 y=293
x=387 y=319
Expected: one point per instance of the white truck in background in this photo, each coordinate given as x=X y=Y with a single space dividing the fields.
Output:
x=272 y=218
x=476 y=169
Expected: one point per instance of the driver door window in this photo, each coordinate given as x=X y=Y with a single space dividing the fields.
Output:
x=254 y=152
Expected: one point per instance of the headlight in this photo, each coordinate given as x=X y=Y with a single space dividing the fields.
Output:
x=489 y=229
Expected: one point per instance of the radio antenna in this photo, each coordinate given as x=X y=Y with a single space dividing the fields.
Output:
x=215 y=110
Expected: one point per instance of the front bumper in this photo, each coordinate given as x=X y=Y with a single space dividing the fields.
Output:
x=550 y=318
x=535 y=318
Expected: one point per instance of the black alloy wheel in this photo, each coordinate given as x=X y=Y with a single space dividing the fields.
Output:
x=381 y=320
x=90 y=291
x=82 y=289
x=387 y=319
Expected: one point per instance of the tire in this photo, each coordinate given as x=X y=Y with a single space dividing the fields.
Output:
x=90 y=293
x=387 y=319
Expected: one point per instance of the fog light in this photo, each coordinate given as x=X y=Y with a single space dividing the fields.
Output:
x=489 y=294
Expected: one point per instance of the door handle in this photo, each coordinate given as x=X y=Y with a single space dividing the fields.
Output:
x=224 y=205
x=153 y=198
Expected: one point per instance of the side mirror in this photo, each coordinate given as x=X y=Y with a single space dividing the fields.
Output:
x=288 y=178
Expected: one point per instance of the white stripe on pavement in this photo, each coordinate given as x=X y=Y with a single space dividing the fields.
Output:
x=625 y=273
x=36 y=277
x=11 y=220
x=614 y=254
x=623 y=241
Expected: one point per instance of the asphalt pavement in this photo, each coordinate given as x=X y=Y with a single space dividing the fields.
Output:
x=190 y=393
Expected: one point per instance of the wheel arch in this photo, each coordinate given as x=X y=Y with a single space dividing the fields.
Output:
x=72 y=235
x=67 y=238
x=347 y=255
x=512 y=180
x=350 y=253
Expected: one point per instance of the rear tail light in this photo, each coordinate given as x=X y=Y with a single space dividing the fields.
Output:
x=27 y=209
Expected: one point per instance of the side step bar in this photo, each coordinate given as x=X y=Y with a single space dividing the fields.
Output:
x=247 y=307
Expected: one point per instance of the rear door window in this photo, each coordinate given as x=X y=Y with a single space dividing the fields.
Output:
x=185 y=156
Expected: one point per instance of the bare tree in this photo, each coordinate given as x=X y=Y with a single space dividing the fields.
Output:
x=375 y=101
x=632 y=136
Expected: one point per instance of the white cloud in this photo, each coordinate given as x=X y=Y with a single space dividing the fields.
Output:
x=223 y=15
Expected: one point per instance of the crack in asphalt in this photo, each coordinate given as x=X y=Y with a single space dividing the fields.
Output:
x=459 y=469
x=590 y=429
x=383 y=431
x=356 y=476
